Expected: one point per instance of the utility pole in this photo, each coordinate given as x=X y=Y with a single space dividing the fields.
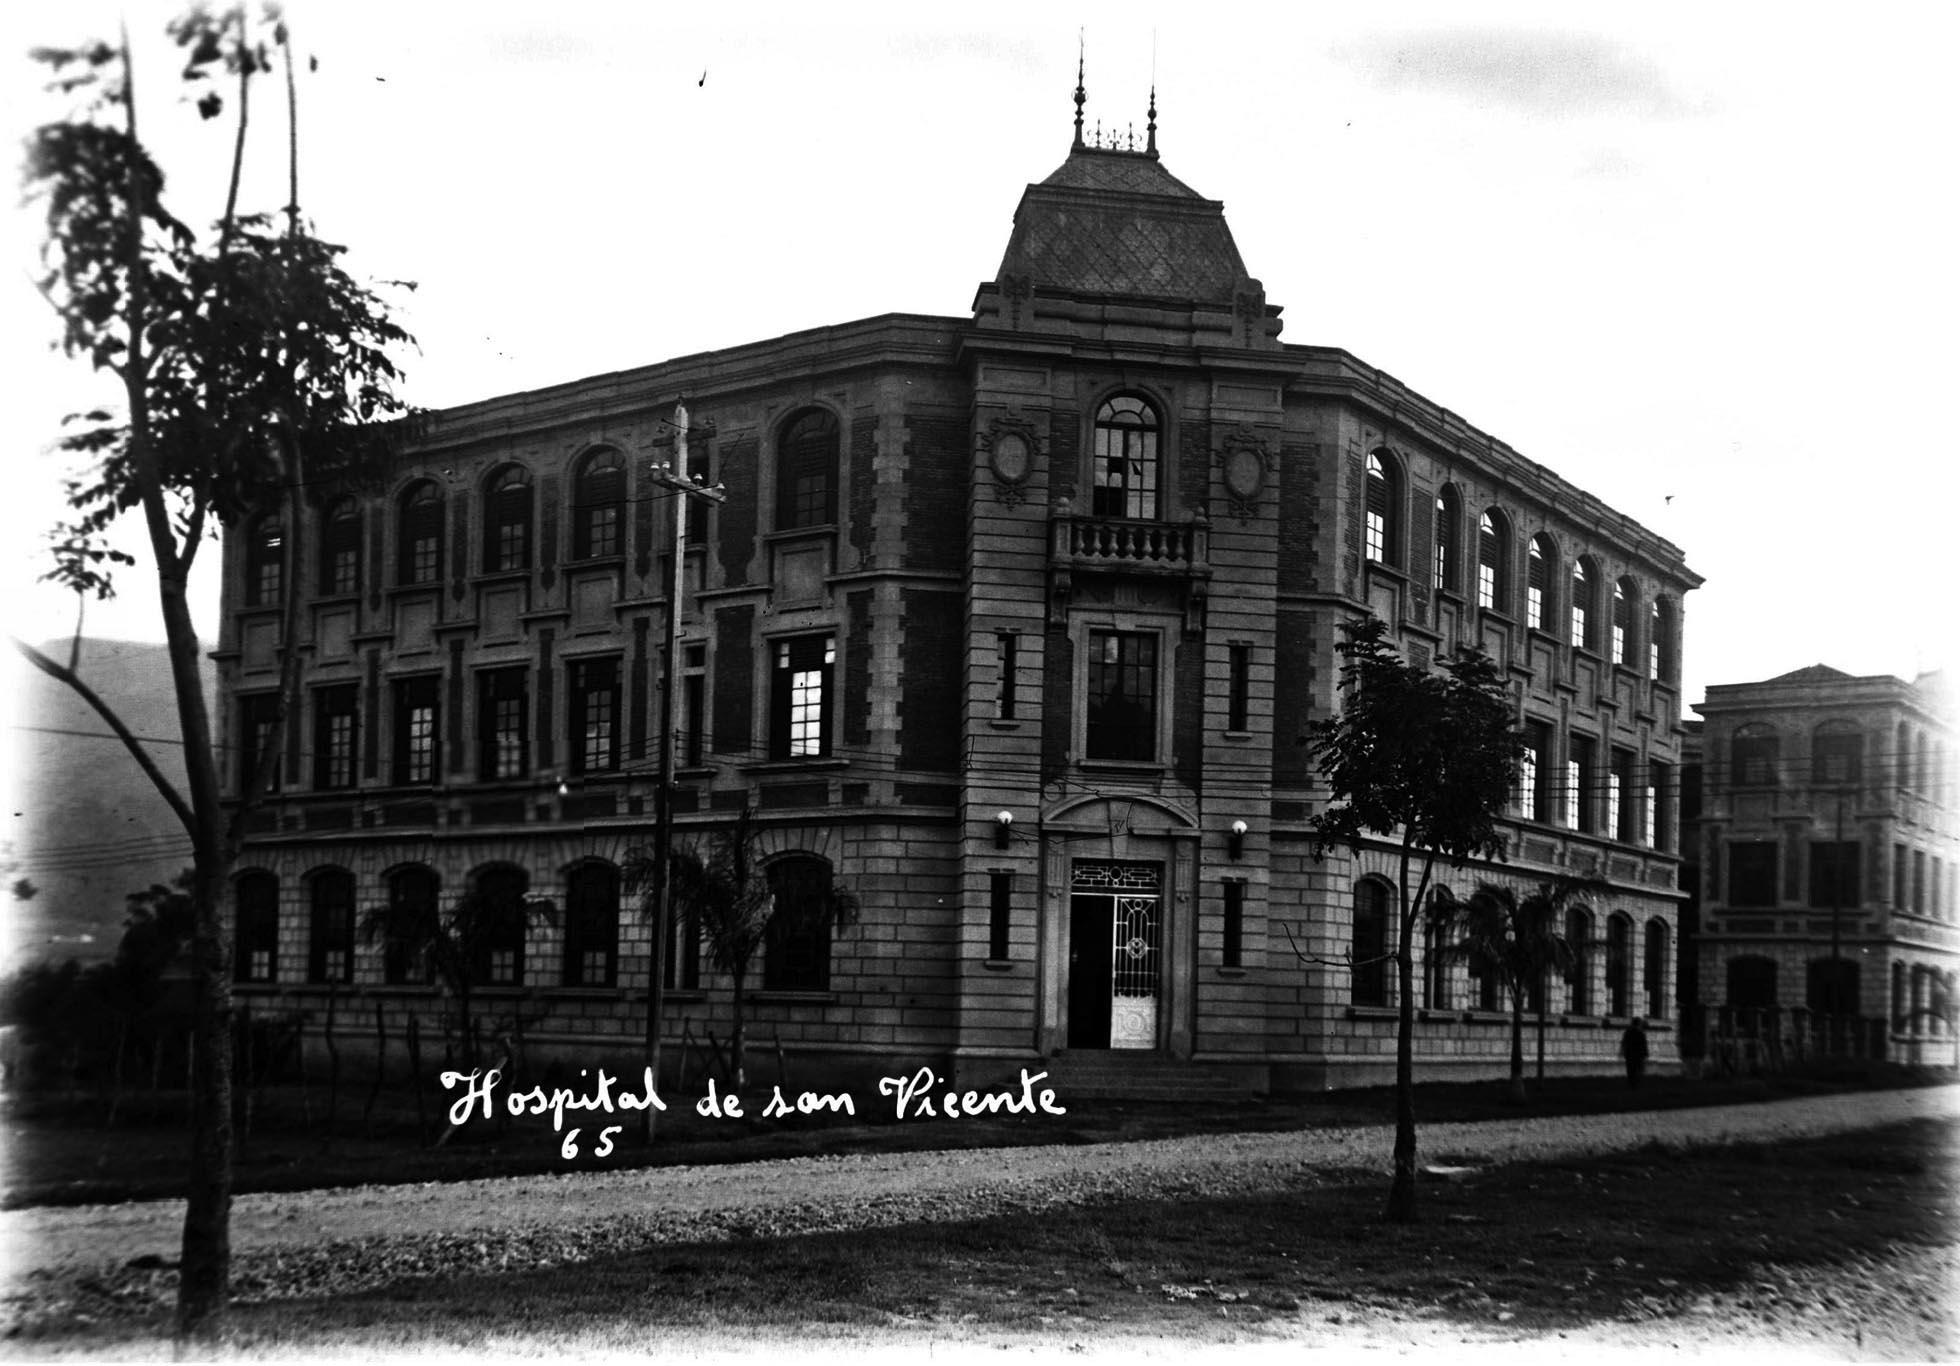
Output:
x=674 y=478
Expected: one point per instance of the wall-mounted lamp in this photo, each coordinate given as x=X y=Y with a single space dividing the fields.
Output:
x=1003 y=827
x=564 y=788
x=1235 y=846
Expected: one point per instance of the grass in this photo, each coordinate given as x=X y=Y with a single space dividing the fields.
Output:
x=59 y=1152
x=1789 y=1230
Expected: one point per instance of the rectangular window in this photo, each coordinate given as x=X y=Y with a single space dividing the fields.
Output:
x=1838 y=757
x=1239 y=687
x=1659 y=815
x=594 y=715
x=258 y=734
x=1535 y=774
x=416 y=703
x=1007 y=651
x=1234 y=923
x=999 y=913
x=1122 y=711
x=1901 y=871
x=799 y=697
x=503 y=708
x=1833 y=874
x=1918 y=881
x=1582 y=775
x=334 y=720
x=1752 y=874
x=694 y=700
x=1486 y=584
x=1619 y=796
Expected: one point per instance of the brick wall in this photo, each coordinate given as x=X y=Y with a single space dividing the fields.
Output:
x=857 y=668
x=935 y=492
x=734 y=705
x=736 y=519
x=929 y=685
x=1293 y=689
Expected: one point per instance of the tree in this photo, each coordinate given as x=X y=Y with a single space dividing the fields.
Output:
x=1518 y=940
x=251 y=369
x=456 y=948
x=1432 y=756
x=737 y=901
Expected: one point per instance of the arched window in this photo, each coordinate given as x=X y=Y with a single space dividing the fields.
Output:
x=599 y=506
x=1653 y=975
x=806 y=470
x=330 y=927
x=1837 y=753
x=340 y=549
x=1449 y=539
x=412 y=926
x=507 y=521
x=418 y=534
x=1624 y=594
x=1831 y=986
x=1368 y=982
x=1382 y=534
x=1435 y=962
x=265 y=561
x=1541 y=563
x=796 y=946
x=1585 y=611
x=1125 y=477
x=1901 y=1012
x=496 y=916
x=1661 y=663
x=1493 y=562
x=1619 y=974
x=1755 y=755
x=256 y=953
x=591 y=924
x=1578 y=977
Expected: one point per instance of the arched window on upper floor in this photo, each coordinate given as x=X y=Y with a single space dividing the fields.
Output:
x=255 y=955
x=1585 y=605
x=1382 y=532
x=599 y=506
x=806 y=470
x=330 y=926
x=507 y=520
x=591 y=924
x=418 y=534
x=340 y=548
x=1368 y=976
x=1494 y=561
x=1541 y=570
x=1663 y=650
x=1837 y=754
x=1125 y=479
x=1755 y=756
x=1449 y=540
x=1625 y=594
x=265 y=561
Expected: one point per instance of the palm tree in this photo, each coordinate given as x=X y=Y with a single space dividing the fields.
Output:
x=1518 y=940
x=458 y=948
x=733 y=898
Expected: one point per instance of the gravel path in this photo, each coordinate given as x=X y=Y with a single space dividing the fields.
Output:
x=335 y=1241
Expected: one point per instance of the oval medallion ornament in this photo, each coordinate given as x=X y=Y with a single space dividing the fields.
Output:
x=1245 y=473
x=1010 y=457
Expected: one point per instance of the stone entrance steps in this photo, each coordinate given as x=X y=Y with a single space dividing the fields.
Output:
x=1096 y=1074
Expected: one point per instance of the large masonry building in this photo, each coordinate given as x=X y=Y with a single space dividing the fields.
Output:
x=1010 y=625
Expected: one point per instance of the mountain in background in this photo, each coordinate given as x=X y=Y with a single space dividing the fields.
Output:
x=83 y=823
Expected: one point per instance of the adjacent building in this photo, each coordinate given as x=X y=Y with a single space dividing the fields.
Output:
x=1829 y=844
x=1011 y=624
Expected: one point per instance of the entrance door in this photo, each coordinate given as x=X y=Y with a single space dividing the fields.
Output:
x=1114 y=917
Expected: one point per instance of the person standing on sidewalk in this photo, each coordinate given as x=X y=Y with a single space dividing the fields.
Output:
x=1633 y=1048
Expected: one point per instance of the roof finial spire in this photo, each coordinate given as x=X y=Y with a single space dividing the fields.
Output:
x=1150 y=142
x=1081 y=96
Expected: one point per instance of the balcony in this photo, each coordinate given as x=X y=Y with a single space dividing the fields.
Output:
x=1130 y=548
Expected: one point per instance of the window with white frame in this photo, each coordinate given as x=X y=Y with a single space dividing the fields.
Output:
x=1121 y=701
x=800 y=697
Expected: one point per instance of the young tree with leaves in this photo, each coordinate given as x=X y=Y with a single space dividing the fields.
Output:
x=252 y=369
x=1518 y=940
x=731 y=896
x=1425 y=759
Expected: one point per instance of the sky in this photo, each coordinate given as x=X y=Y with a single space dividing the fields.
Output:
x=1696 y=259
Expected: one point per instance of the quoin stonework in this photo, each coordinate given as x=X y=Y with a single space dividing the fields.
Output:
x=1010 y=624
